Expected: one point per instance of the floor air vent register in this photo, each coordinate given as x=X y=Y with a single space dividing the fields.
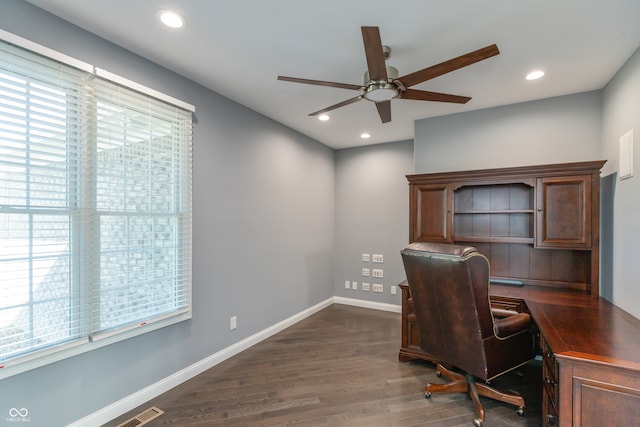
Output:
x=143 y=417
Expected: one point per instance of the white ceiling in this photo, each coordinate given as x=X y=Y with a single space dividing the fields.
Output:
x=237 y=48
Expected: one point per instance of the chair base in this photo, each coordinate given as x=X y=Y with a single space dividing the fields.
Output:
x=467 y=384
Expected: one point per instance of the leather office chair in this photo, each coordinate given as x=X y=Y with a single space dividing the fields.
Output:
x=449 y=286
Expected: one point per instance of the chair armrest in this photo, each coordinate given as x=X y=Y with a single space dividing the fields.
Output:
x=511 y=325
x=502 y=312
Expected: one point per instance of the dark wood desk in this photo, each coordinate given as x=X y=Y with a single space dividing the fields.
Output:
x=590 y=351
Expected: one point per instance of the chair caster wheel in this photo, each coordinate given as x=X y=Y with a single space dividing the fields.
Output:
x=477 y=422
x=520 y=411
x=427 y=395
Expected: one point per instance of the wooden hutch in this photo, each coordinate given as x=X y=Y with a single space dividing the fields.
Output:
x=539 y=228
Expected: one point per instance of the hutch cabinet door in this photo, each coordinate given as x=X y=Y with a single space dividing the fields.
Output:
x=431 y=214
x=564 y=212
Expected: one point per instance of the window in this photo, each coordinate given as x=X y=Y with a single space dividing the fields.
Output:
x=95 y=208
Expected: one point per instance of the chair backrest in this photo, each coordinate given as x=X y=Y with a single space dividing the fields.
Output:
x=449 y=287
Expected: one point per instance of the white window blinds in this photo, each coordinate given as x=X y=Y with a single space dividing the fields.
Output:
x=95 y=207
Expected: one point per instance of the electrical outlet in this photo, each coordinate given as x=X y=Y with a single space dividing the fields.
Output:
x=394 y=290
x=354 y=286
x=365 y=272
x=233 y=322
x=347 y=284
x=377 y=272
x=377 y=258
x=366 y=286
x=365 y=257
x=378 y=287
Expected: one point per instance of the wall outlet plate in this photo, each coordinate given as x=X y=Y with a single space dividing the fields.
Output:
x=378 y=287
x=377 y=272
x=377 y=258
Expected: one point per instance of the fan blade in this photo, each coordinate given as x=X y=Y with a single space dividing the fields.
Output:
x=320 y=83
x=375 y=55
x=449 y=66
x=384 y=110
x=423 y=95
x=338 y=105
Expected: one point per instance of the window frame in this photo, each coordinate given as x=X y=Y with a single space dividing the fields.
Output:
x=93 y=340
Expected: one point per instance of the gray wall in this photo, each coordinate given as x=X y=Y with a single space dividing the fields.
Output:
x=263 y=236
x=372 y=216
x=621 y=113
x=553 y=130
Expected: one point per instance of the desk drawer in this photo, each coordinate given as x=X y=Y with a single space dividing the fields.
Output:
x=550 y=392
x=549 y=412
x=549 y=363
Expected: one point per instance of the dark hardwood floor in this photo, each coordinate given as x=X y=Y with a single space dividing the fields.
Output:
x=338 y=367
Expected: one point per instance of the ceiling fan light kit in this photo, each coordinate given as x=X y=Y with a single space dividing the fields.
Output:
x=382 y=84
x=380 y=91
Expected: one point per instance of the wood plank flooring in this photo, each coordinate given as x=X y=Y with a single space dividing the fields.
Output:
x=338 y=367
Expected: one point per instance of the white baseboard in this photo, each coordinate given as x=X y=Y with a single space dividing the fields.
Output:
x=368 y=304
x=136 y=399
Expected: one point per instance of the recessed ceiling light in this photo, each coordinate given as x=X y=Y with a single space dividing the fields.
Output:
x=323 y=117
x=365 y=136
x=170 y=18
x=535 y=75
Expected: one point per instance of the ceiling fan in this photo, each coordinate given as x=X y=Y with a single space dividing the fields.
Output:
x=382 y=84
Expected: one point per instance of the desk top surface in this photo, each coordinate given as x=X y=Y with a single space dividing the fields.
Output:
x=577 y=325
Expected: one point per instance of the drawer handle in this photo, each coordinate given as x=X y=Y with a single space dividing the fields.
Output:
x=549 y=380
x=552 y=420
x=548 y=354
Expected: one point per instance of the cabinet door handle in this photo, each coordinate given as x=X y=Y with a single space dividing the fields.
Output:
x=549 y=380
